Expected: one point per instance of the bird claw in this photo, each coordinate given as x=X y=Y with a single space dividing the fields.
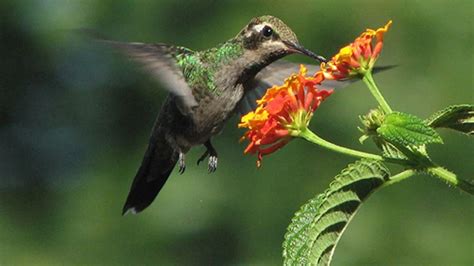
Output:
x=212 y=162
x=181 y=163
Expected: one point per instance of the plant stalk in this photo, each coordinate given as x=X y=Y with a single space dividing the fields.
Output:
x=452 y=179
x=313 y=138
x=399 y=177
x=369 y=81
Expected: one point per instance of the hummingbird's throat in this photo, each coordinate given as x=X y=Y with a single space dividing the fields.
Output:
x=252 y=68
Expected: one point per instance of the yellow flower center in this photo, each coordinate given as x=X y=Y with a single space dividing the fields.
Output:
x=344 y=54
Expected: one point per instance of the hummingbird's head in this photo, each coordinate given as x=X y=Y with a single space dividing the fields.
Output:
x=272 y=39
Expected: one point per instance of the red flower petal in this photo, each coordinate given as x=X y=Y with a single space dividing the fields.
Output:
x=270 y=125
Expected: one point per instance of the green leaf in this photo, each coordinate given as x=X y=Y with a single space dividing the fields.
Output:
x=458 y=117
x=390 y=151
x=317 y=227
x=407 y=130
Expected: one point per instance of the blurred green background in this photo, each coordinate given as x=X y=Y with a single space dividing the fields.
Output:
x=75 y=119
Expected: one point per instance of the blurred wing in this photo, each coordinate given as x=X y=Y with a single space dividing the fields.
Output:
x=159 y=61
x=275 y=74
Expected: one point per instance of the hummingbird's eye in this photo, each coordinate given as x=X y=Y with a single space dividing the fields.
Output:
x=267 y=31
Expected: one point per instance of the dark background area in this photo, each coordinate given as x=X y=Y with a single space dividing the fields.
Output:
x=75 y=119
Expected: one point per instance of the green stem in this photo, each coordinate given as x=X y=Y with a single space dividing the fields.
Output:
x=452 y=179
x=313 y=138
x=369 y=81
x=399 y=177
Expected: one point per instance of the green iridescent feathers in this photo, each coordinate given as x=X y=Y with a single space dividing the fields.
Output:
x=199 y=68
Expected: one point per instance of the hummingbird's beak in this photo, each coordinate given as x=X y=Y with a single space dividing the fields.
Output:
x=297 y=48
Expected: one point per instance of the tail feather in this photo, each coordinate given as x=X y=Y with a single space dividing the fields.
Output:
x=160 y=159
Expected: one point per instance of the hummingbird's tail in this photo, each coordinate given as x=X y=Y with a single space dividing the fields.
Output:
x=158 y=162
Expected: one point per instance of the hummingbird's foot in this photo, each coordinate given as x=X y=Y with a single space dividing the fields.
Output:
x=211 y=152
x=203 y=156
x=181 y=163
x=212 y=164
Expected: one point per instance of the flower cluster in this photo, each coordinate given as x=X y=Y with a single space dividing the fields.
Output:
x=282 y=113
x=358 y=57
x=285 y=111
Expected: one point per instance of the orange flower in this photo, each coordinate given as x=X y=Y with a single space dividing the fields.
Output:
x=358 y=57
x=282 y=113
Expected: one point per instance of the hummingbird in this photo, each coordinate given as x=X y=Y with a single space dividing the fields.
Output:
x=205 y=89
